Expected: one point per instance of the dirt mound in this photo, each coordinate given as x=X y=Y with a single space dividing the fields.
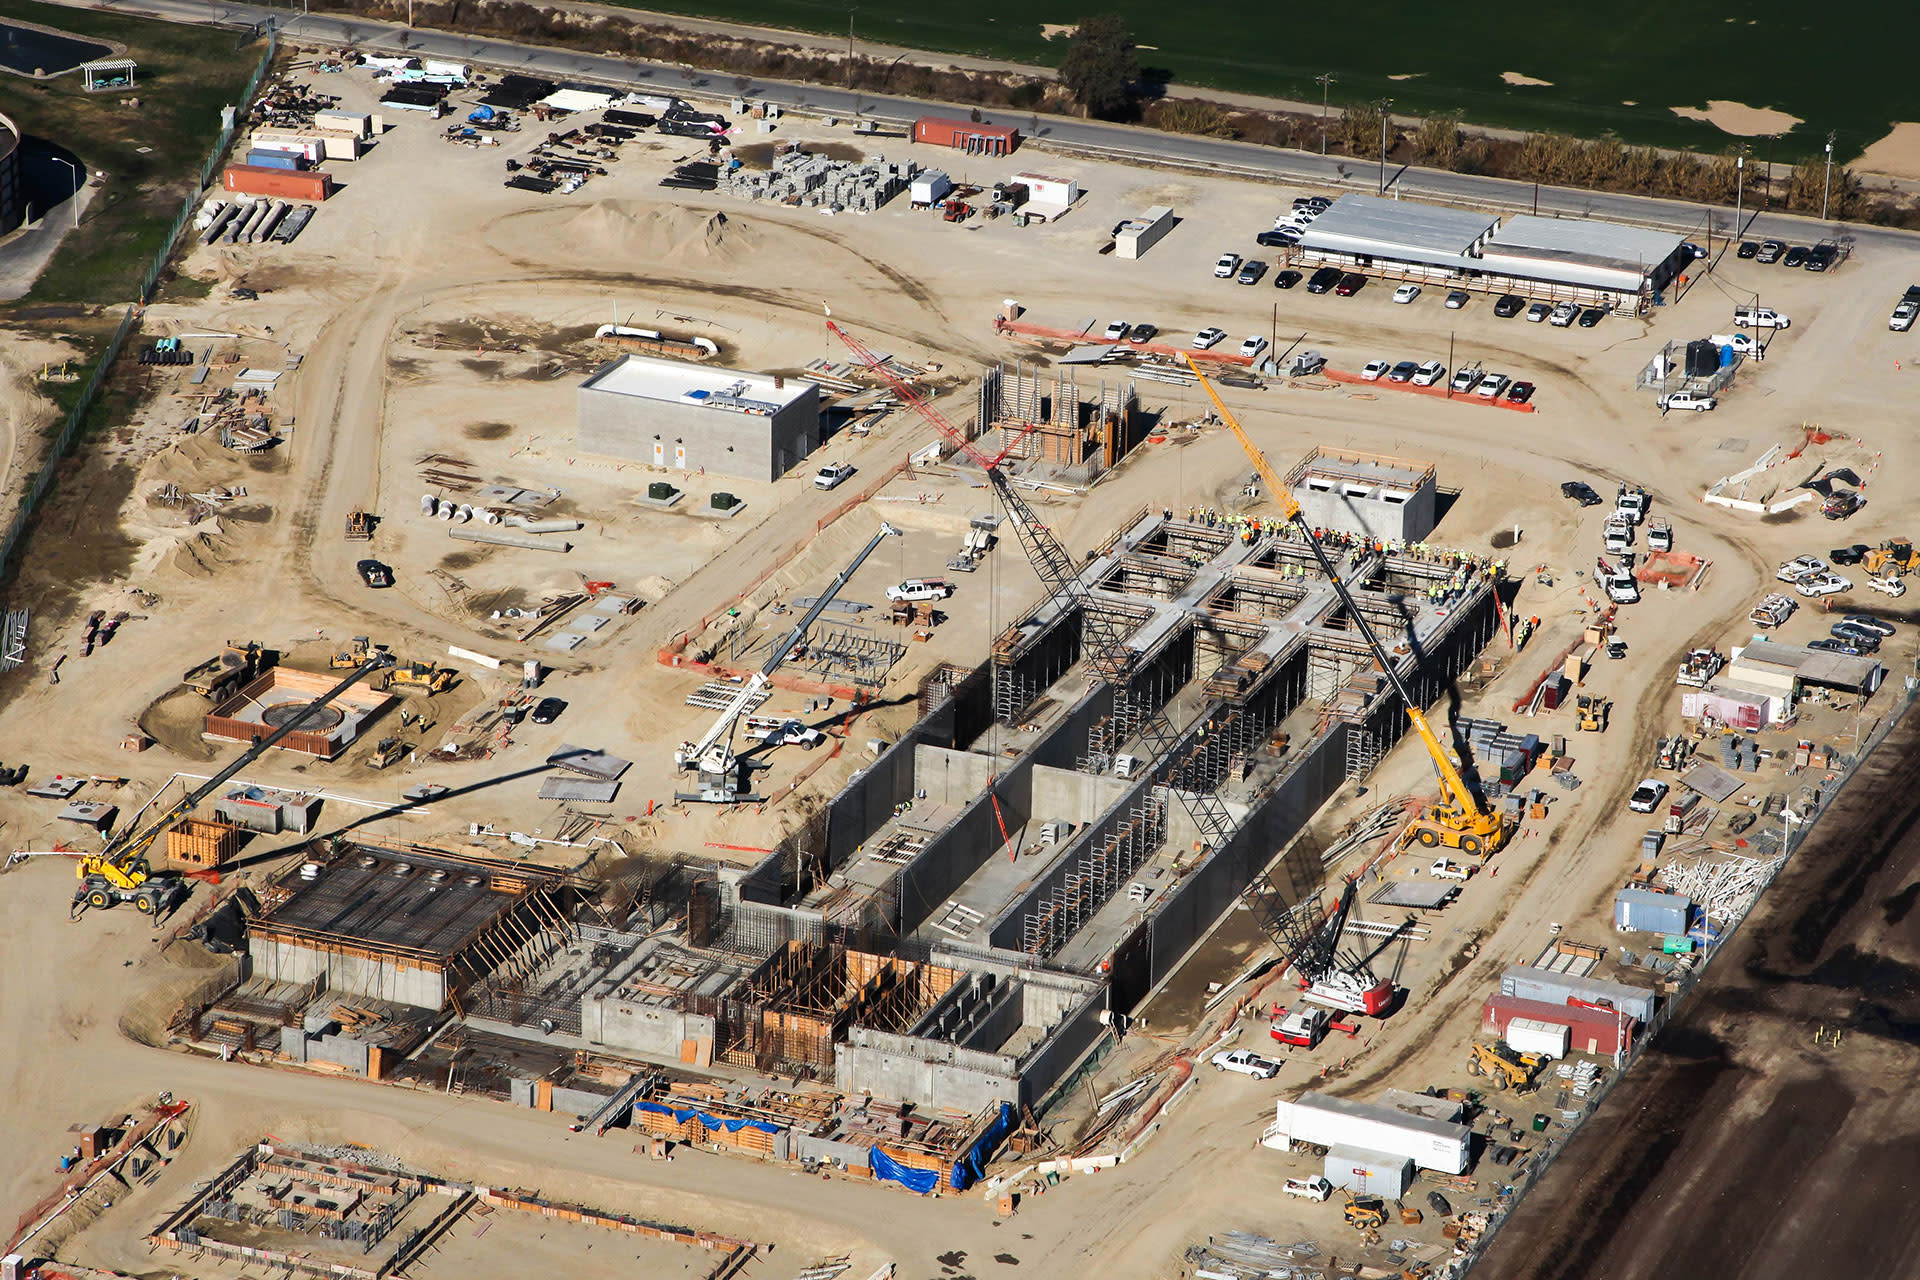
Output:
x=651 y=233
x=195 y=554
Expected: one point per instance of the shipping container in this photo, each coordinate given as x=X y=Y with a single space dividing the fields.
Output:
x=1140 y=234
x=1738 y=709
x=964 y=135
x=1048 y=197
x=312 y=150
x=325 y=144
x=358 y=123
x=1558 y=988
x=263 y=158
x=1538 y=1036
x=255 y=180
x=1588 y=1030
x=1368 y=1173
x=1647 y=911
x=1322 y=1121
x=928 y=187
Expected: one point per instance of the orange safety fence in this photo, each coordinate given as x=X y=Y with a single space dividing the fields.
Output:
x=1438 y=392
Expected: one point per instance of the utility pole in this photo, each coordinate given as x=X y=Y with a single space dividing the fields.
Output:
x=1739 y=189
x=1770 y=138
x=1325 y=82
x=850 y=12
x=78 y=183
x=1827 y=189
x=1386 y=106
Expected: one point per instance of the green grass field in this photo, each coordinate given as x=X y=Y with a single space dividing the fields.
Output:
x=1827 y=69
x=152 y=153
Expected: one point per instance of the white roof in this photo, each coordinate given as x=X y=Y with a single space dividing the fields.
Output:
x=1400 y=230
x=577 y=100
x=1579 y=250
x=669 y=381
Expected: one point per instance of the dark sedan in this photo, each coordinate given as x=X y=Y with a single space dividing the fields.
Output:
x=1520 y=392
x=1580 y=491
x=1286 y=279
x=1591 y=317
x=1323 y=279
x=548 y=710
x=1509 y=305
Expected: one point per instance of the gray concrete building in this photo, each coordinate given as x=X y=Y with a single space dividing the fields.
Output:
x=1366 y=494
x=686 y=417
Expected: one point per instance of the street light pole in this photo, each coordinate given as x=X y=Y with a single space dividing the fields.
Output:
x=1739 y=189
x=850 y=12
x=1827 y=188
x=1386 y=105
x=77 y=183
x=1326 y=85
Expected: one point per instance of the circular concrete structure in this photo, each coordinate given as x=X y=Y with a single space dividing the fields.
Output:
x=11 y=195
x=324 y=720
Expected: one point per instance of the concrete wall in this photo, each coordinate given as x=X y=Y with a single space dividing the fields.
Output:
x=1074 y=797
x=951 y=777
x=928 y=1073
x=1411 y=520
x=721 y=442
x=278 y=961
x=866 y=803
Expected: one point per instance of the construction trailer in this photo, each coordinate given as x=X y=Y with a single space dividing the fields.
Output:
x=978 y=139
x=1368 y=1173
x=1589 y=1030
x=1137 y=235
x=1317 y=1120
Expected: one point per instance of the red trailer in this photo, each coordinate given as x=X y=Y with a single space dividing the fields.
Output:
x=1590 y=1030
x=258 y=180
x=964 y=135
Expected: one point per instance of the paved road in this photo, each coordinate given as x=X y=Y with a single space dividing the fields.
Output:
x=1119 y=141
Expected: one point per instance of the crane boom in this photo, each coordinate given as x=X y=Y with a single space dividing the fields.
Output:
x=1471 y=819
x=720 y=734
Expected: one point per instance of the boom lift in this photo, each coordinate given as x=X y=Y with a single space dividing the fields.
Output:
x=121 y=873
x=1461 y=820
x=712 y=756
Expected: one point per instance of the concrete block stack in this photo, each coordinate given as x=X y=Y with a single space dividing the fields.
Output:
x=814 y=181
x=1499 y=756
x=1739 y=754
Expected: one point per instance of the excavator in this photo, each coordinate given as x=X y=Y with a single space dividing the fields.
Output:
x=121 y=872
x=1506 y=1068
x=1461 y=820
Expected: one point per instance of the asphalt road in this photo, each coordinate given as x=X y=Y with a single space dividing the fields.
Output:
x=1118 y=141
x=1738 y=1146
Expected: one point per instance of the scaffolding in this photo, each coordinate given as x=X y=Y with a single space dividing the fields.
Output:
x=1096 y=876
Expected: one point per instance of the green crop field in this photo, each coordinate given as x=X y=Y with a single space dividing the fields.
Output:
x=1616 y=67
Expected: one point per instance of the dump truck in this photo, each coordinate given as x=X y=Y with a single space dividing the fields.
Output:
x=1505 y=1068
x=226 y=671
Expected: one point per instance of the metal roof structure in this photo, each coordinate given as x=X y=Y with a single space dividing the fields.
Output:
x=1369 y=226
x=670 y=380
x=1814 y=666
x=1603 y=255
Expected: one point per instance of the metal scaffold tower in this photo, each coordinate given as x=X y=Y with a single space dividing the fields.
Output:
x=1097 y=875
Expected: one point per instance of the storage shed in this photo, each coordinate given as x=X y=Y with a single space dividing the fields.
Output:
x=1649 y=911
x=1768 y=666
x=929 y=186
x=1048 y=198
x=252 y=180
x=1538 y=1036
x=964 y=135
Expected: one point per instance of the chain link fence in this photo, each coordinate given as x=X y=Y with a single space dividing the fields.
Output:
x=149 y=282
x=1508 y=1196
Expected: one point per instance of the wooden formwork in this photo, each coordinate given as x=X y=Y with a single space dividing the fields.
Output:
x=197 y=842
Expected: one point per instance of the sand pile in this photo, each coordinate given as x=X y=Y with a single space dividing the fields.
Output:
x=194 y=554
x=635 y=233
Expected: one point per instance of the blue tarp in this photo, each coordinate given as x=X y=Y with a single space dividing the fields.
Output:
x=711 y=1121
x=967 y=1171
x=886 y=1168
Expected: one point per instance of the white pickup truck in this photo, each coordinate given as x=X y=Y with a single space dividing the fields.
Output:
x=1743 y=343
x=1760 y=318
x=1447 y=869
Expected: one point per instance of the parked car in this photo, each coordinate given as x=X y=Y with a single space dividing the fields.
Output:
x=1867 y=622
x=1822 y=256
x=1247 y=1063
x=1859 y=637
x=547 y=710
x=1520 y=392
x=1491 y=385
x=1143 y=333
x=1278 y=238
x=1850 y=555
x=1225 y=265
x=1429 y=373
x=1747 y=317
x=1251 y=271
x=1749 y=249
x=1538 y=312
x=1323 y=279
x=1796 y=257
x=1648 y=794
x=1622 y=589
x=1320 y=203
x=1286 y=279
x=920 y=589
x=1800 y=567
x=1822 y=584
x=1406 y=293
x=1403 y=372
x=374 y=574
x=1375 y=370
x=1770 y=251
x=1902 y=318
x=1698 y=251
x=1116 y=331
x=1448 y=869
x=1350 y=283
x=1563 y=315
x=832 y=475
x=1208 y=338
x=1842 y=504
x=1253 y=346
x=1694 y=401
x=1509 y=305
x=1457 y=299
x=1580 y=491
x=1592 y=316
x=1743 y=343
x=1836 y=646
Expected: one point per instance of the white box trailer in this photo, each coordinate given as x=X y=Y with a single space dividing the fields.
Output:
x=1368 y=1173
x=1530 y=1035
x=360 y=123
x=1140 y=234
x=929 y=187
x=1321 y=1121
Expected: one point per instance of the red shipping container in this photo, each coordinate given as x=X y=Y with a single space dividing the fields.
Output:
x=1589 y=1030
x=964 y=135
x=257 y=180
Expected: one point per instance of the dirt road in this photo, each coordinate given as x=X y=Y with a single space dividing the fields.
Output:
x=1738 y=1139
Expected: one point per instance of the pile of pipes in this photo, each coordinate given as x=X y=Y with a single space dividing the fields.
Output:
x=813 y=181
x=529 y=530
x=251 y=221
x=1242 y=1255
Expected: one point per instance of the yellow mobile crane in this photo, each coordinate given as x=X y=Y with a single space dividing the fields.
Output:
x=121 y=873
x=1462 y=820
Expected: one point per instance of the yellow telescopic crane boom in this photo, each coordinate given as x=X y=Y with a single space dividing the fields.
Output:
x=1461 y=820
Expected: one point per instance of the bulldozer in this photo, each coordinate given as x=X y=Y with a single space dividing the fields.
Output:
x=355 y=653
x=421 y=675
x=1592 y=710
x=1506 y=1068
x=1364 y=1214
x=1894 y=556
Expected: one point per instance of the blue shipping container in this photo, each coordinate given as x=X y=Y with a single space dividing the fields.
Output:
x=1645 y=911
x=277 y=160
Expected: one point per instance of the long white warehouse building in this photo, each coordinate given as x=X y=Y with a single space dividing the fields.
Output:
x=1322 y=1121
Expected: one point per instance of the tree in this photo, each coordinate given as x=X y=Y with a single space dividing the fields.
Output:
x=1437 y=142
x=1359 y=128
x=1101 y=67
